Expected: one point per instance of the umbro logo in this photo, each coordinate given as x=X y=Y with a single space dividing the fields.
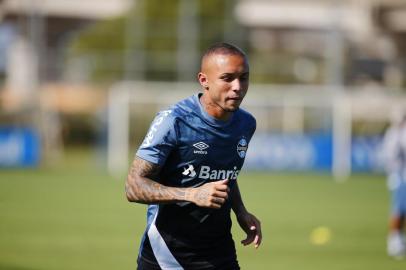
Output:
x=189 y=171
x=201 y=146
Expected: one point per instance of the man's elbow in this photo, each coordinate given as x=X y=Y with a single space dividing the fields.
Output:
x=130 y=193
x=129 y=197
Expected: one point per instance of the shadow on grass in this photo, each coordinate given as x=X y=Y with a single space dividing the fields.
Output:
x=15 y=267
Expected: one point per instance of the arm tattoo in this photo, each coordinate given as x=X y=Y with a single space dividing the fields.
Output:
x=201 y=196
x=141 y=188
x=144 y=168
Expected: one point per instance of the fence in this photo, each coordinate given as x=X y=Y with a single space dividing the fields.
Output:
x=314 y=122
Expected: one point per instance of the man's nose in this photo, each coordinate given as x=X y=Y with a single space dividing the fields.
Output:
x=236 y=85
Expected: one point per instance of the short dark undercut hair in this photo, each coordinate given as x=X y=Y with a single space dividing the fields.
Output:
x=223 y=48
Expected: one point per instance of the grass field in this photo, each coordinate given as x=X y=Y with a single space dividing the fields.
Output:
x=75 y=216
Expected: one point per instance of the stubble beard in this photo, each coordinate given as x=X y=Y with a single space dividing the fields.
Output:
x=223 y=107
x=229 y=110
x=232 y=110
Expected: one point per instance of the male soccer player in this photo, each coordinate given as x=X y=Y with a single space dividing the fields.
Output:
x=395 y=155
x=187 y=167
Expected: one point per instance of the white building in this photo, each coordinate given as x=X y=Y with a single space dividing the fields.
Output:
x=45 y=25
x=370 y=34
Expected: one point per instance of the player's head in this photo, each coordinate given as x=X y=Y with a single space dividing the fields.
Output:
x=224 y=76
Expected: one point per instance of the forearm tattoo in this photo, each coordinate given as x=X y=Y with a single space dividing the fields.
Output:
x=142 y=188
x=201 y=196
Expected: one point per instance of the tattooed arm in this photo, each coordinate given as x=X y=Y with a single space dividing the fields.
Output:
x=141 y=188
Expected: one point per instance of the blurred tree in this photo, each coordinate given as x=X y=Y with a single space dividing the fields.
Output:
x=97 y=50
x=143 y=44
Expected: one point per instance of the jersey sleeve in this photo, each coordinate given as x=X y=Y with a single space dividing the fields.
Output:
x=160 y=139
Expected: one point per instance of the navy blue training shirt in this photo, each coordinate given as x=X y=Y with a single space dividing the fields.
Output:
x=193 y=148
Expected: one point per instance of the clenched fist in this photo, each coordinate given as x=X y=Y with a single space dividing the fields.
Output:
x=211 y=195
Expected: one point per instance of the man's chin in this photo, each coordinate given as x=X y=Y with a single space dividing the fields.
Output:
x=233 y=109
x=232 y=106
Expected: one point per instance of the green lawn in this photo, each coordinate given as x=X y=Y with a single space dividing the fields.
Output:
x=75 y=216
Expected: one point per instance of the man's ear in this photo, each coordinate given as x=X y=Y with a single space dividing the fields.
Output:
x=203 y=80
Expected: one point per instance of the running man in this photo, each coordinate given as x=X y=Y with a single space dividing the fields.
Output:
x=187 y=167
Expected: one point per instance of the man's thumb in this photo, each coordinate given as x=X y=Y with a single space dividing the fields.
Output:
x=225 y=181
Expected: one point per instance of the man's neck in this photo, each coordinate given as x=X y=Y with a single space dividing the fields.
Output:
x=214 y=109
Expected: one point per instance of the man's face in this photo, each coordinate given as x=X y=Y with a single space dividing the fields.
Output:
x=225 y=79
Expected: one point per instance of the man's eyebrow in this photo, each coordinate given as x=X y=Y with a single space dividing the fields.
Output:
x=233 y=73
x=227 y=74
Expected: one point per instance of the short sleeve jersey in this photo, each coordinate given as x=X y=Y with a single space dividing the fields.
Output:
x=192 y=149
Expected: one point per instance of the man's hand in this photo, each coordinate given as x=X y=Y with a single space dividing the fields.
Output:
x=252 y=227
x=211 y=195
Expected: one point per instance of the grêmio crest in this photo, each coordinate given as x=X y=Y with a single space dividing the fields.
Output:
x=242 y=147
